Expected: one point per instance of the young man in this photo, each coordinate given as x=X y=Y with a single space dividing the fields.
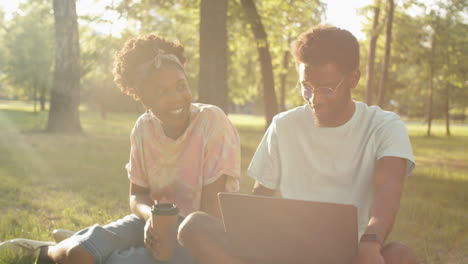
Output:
x=332 y=149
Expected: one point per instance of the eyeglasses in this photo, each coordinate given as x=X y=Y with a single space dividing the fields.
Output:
x=308 y=89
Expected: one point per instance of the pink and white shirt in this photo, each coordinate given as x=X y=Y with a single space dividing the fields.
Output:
x=209 y=148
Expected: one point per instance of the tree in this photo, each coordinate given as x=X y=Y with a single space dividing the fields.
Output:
x=453 y=55
x=295 y=17
x=429 y=54
x=431 y=82
x=3 y=31
x=292 y=17
x=448 y=57
x=283 y=77
x=64 y=114
x=269 y=93
x=213 y=53
x=245 y=76
x=374 y=35
x=98 y=90
x=388 y=43
x=28 y=52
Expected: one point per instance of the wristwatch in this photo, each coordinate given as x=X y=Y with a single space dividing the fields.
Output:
x=372 y=237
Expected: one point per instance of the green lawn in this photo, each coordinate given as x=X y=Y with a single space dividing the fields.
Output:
x=62 y=181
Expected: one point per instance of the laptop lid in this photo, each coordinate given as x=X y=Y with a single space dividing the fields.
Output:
x=276 y=230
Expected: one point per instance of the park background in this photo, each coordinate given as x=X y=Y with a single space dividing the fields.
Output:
x=64 y=126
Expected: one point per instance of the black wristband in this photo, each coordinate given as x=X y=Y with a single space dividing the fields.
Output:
x=372 y=238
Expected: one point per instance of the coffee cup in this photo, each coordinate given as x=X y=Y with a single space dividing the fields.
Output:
x=164 y=220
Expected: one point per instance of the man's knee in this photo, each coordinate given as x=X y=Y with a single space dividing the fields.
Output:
x=195 y=223
x=398 y=253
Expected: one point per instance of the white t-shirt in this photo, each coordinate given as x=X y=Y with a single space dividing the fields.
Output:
x=307 y=162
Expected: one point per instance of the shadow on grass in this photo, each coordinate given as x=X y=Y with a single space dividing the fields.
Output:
x=14 y=120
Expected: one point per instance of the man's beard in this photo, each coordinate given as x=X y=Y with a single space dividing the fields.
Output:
x=324 y=120
x=330 y=117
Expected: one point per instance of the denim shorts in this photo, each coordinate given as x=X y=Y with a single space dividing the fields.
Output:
x=121 y=242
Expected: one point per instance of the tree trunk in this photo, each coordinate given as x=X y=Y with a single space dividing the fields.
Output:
x=388 y=43
x=284 y=75
x=35 y=96
x=371 y=58
x=64 y=113
x=42 y=97
x=447 y=111
x=212 y=84
x=103 y=94
x=431 y=85
x=448 y=84
x=269 y=94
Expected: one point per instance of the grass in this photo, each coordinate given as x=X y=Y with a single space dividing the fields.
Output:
x=63 y=181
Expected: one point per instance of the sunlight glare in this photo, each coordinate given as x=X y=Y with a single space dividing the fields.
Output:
x=109 y=21
x=344 y=14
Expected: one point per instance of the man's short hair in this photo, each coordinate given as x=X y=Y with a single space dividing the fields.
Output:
x=325 y=44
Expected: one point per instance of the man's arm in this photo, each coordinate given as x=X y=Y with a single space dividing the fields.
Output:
x=259 y=189
x=389 y=177
x=209 y=199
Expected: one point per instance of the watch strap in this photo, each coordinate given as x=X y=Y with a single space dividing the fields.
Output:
x=372 y=237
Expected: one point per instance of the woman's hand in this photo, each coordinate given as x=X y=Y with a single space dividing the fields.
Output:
x=151 y=239
x=369 y=253
x=209 y=199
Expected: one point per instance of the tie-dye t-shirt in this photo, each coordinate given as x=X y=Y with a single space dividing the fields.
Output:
x=209 y=148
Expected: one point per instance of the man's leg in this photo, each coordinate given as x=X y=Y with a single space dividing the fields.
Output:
x=398 y=253
x=203 y=236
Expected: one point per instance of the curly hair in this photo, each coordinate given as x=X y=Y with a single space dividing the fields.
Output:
x=323 y=44
x=136 y=52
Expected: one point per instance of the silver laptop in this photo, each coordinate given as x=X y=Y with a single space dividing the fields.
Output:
x=274 y=230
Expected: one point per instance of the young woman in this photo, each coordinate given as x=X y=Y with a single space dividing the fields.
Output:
x=181 y=152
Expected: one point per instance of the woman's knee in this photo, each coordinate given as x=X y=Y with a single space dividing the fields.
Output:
x=78 y=254
x=69 y=252
x=398 y=253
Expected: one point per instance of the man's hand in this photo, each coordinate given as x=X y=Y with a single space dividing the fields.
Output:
x=369 y=253
x=151 y=239
x=259 y=189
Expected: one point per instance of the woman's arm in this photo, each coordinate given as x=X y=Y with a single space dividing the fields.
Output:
x=140 y=204
x=140 y=201
x=209 y=199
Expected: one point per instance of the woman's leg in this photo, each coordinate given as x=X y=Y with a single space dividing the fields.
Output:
x=90 y=246
x=95 y=244
x=141 y=255
x=67 y=251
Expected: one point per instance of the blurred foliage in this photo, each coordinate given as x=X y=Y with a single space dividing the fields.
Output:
x=26 y=51
x=415 y=25
x=27 y=48
x=283 y=22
